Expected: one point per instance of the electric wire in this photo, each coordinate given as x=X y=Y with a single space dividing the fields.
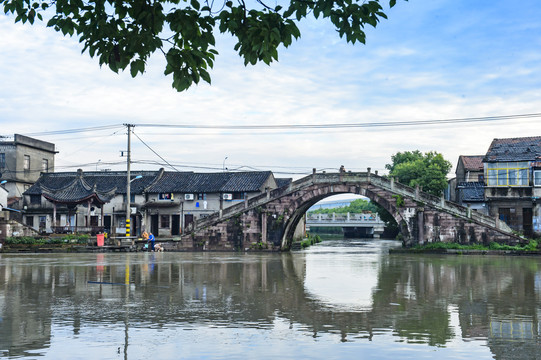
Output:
x=348 y=125
x=151 y=149
x=303 y=126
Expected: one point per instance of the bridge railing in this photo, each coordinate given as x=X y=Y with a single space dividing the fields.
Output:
x=437 y=202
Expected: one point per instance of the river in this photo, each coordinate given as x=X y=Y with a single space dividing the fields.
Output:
x=341 y=299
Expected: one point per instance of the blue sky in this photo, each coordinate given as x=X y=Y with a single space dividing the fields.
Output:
x=438 y=59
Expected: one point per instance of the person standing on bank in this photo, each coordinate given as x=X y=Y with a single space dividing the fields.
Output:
x=151 y=240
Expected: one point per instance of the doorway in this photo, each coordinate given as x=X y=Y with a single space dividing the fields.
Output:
x=154 y=224
x=175 y=224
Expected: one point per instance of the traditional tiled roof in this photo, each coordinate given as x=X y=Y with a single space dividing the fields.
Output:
x=210 y=182
x=280 y=182
x=472 y=191
x=151 y=181
x=104 y=181
x=472 y=162
x=514 y=149
x=76 y=192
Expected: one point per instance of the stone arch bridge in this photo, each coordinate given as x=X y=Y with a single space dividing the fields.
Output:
x=274 y=219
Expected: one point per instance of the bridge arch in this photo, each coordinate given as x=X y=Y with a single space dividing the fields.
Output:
x=310 y=198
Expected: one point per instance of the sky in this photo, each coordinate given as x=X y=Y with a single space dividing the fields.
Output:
x=430 y=60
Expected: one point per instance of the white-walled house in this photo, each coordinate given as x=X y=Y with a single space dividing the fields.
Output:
x=161 y=202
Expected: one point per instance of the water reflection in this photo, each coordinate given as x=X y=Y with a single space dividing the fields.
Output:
x=215 y=305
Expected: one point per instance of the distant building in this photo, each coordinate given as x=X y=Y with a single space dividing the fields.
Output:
x=470 y=184
x=22 y=160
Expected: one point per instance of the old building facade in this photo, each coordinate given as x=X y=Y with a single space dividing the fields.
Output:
x=161 y=202
x=512 y=170
x=470 y=181
x=22 y=160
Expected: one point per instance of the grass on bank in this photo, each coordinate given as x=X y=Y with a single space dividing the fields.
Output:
x=310 y=240
x=531 y=246
x=30 y=240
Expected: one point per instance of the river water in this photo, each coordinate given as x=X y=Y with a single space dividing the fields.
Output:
x=336 y=300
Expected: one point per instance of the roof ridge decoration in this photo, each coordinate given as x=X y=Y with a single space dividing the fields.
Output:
x=77 y=191
x=157 y=178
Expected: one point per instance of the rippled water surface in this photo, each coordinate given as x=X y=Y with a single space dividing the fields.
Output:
x=336 y=300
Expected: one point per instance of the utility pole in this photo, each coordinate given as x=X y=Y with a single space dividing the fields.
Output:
x=128 y=183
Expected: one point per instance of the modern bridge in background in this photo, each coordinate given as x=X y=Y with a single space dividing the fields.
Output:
x=369 y=225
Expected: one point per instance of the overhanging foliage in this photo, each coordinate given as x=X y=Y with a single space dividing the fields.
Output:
x=122 y=33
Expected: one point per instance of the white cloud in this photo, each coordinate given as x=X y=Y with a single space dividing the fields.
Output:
x=428 y=61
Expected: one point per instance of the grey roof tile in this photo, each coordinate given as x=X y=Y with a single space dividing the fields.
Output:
x=514 y=149
x=153 y=182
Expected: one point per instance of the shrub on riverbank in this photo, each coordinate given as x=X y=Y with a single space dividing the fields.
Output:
x=531 y=246
x=30 y=240
x=310 y=240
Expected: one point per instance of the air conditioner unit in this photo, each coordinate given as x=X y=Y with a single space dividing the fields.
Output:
x=188 y=197
x=228 y=196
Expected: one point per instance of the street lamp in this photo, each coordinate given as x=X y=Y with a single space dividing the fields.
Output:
x=223 y=165
x=3 y=182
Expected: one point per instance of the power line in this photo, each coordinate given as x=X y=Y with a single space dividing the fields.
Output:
x=73 y=131
x=158 y=155
x=303 y=126
x=348 y=125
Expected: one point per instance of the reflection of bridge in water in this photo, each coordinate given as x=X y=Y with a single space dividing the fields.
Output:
x=353 y=224
x=261 y=291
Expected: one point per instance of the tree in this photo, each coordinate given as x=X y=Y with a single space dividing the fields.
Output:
x=357 y=206
x=428 y=170
x=124 y=33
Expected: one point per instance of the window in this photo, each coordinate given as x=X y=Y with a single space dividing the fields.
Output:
x=201 y=196
x=2 y=161
x=26 y=162
x=132 y=197
x=238 y=195
x=35 y=199
x=508 y=174
x=45 y=165
x=166 y=196
x=537 y=177
x=30 y=220
x=164 y=221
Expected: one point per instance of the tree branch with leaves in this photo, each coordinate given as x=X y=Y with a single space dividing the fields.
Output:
x=122 y=33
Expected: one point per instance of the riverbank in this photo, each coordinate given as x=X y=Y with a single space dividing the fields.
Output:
x=465 y=252
x=531 y=249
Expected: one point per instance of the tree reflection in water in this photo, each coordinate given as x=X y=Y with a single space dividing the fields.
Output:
x=306 y=303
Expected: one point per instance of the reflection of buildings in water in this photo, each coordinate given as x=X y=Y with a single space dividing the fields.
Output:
x=511 y=339
x=411 y=298
x=537 y=282
x=25 y=320
x=513 y=329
